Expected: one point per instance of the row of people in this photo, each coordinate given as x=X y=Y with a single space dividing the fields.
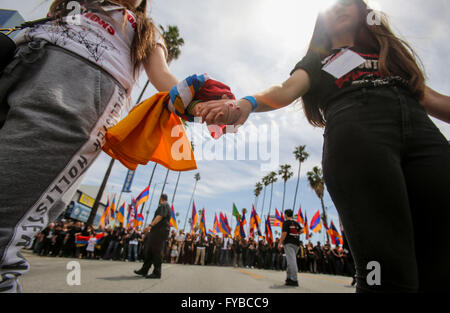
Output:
x=60 y=239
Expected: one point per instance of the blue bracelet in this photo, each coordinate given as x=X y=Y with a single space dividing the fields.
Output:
x=252 y=100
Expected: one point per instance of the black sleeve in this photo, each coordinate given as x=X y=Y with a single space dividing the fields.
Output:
x=312 y=64
x=285 y=228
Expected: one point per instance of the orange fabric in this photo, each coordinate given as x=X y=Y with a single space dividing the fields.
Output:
x=146 y=135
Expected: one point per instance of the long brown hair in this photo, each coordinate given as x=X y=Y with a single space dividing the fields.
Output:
x=396 y=57
x=144 y=39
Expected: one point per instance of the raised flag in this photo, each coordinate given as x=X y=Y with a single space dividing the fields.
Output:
x=203 y=223
x=306 y=229
x=216 y=227
x=316 y=226
x=140 y=219
x=236 y=213
x=255 y=221
x=336 y=238
x=121 y=214
x=113 y=209
x=279 y=219
x=300 y=218
x=104 y=220
x=143 y=196
x=268 y=231
x=194 y=216
x=173 y=218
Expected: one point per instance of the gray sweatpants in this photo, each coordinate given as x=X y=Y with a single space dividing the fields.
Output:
x=60 y=107
x=291 y=260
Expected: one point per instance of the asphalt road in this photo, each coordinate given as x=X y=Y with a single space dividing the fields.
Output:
x=48 y=274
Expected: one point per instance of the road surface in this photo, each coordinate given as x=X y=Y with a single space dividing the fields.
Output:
x=49 y=274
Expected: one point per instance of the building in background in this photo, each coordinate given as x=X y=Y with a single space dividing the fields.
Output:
x=82 y=202
x=10 y=18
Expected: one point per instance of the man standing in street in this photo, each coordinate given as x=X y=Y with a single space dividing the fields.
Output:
x=154 y=243
x=290 y=240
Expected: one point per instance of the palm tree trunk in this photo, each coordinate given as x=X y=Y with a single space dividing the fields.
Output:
x=264 y=201
x=284 y=193
x=296 y=188
x=270 y=204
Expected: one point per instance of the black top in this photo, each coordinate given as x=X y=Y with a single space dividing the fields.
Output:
x=293 y=230
x=164 y=211
x=325 y=87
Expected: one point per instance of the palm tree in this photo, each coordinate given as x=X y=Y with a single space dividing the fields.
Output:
x=266 y=182
x=197 y=178
x=286 y=174
x=315 y=178
x=272 y=179
x=173 y=41
x=300 y=155
x=257 y=192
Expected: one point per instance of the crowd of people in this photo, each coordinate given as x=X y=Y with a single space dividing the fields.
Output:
x=59 y=239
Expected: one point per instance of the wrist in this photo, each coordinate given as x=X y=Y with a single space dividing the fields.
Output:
x=252 y=101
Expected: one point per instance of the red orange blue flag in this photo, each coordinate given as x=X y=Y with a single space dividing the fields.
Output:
x=143 y=196
x=316 y=226
x=173 y=218
x=300 y=218
x=279 y=219
x=203 y=223
x=194 y=216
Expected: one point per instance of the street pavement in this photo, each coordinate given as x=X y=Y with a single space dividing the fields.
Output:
x=49 y=275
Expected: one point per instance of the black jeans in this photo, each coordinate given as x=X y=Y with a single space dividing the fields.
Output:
x=387 y=169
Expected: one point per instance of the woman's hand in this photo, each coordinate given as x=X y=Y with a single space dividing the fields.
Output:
x=224 y=112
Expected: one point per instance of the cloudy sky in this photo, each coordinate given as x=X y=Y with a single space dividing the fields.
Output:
x=251 y=45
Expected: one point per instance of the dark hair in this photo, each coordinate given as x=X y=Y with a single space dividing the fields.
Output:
x=164 y=197
x=397 y=58
x=289 y=213
x=144 y=40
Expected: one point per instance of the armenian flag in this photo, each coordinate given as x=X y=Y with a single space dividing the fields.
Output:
x=113 y=209
x=241 y=226
x=223 y=225
x=336 y=238
x=316 y=226
x=216 y=227
x=143 y=196
x=255 y=221
x=194 y=215
x=306 y=229
x=227 y=224
x=104 y=220
x=121 y=214
x=140 y=220
x=300 y=218
x=268 y=231
x=279 y=219
x=173 y=218
x=203 y=223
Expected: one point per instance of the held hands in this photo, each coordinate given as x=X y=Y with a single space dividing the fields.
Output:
x=224 y=112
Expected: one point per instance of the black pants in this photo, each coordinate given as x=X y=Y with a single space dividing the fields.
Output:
x=153 y=250
x=387 y=169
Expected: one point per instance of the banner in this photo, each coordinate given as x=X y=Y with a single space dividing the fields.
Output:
x=128 y=181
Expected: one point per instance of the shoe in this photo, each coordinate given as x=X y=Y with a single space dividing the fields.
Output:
x=140 y=273
x=153 y=276
x=291 y=283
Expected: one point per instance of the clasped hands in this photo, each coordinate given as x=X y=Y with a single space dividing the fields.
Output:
x=226 y=111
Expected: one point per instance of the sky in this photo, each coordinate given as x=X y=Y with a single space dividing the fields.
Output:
x=251 y=45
